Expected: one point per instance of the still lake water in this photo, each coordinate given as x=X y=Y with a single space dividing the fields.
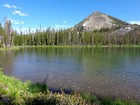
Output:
x=111 y=72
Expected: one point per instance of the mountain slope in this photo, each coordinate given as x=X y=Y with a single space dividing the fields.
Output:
x=98 y=20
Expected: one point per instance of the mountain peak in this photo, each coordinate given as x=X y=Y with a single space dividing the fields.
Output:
x=98 y=20
x=97 y=13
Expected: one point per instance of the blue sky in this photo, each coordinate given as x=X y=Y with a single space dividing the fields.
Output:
x=64 y=13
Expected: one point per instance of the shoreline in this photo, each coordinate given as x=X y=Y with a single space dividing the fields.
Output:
x=14 y=90
x=88 y=46
x=68 y=46
x=10 y=48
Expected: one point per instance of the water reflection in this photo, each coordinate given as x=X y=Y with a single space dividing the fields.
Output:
x=6 y=61
x=103 y=71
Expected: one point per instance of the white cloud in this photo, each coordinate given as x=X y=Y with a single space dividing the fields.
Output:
x=25 y=30
x=61 y=26
x=9 y=6
x=64 y=21
x=19 y=13
x=135 y=22
x=17 y=22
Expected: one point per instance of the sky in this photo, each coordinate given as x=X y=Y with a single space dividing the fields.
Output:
x=64 y=13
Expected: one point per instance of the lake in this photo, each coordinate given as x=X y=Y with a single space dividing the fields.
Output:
x=113 y=72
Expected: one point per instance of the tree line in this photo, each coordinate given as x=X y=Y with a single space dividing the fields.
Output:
x=50 y=37
x=70 y=37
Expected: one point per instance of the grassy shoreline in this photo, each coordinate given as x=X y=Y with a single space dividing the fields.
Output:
x=80 y=46
x=13 y=91
x=10 y=48
x=69 y=46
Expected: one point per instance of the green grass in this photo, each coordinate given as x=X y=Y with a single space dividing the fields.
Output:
x=12 y=88
x=108 y=101
x=16 y=92
x=10 y=48
x=68 y=46
x=80 y=46
x=19 y=93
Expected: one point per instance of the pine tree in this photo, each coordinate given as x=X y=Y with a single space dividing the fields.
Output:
x=8 y=33
x=1 y=35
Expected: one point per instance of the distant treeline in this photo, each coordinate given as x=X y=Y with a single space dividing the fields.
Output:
x=75 y=37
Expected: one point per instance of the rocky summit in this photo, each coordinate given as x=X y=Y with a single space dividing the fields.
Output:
x=98 y=21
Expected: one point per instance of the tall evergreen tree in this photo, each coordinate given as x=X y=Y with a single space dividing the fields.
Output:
x=8 y=33
x=1 y=35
